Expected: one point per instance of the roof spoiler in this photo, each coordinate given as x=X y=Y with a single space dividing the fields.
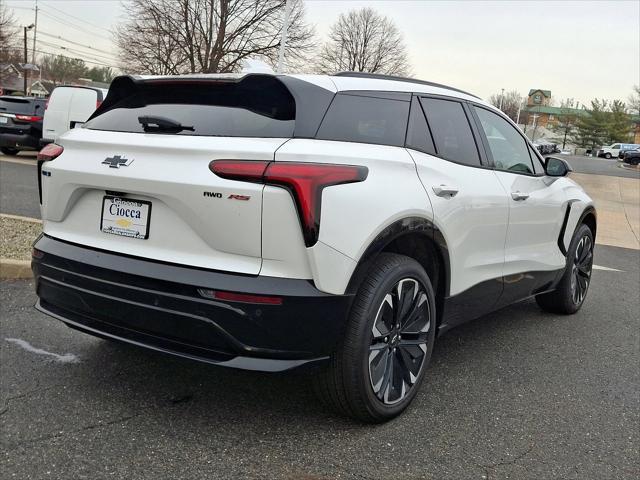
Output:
x=126 y=85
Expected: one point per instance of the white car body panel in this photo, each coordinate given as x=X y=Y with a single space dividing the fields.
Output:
x=534 y=223
x=473 y=222
x=186 y=227
x=348 y=224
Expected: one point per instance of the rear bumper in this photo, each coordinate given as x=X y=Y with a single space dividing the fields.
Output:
x=158 y=306
x=18 y=141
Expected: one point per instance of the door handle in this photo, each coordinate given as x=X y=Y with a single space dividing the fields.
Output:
x=445 y=190
x=519 y=196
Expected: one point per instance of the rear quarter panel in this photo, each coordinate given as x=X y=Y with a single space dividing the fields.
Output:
x=352 y=215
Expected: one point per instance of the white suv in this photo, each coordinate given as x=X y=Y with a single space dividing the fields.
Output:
x=267 y=222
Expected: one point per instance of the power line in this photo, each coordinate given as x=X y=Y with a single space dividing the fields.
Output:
x=76 y=43
x=77 y=18
x=68 y=24
x=51 y=54
x=92 y=56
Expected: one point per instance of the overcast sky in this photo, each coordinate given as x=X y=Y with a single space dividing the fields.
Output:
x=575 y=49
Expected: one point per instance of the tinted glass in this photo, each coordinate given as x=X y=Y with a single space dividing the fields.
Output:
x=27 y=106
x=418 y=135
x=251 y=108
x=508 y=148
x=352 y=118
x=451 y=131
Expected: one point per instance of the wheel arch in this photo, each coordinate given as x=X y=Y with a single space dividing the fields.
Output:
x=415 y=237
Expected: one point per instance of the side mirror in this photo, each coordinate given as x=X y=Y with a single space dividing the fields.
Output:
x=557 y=167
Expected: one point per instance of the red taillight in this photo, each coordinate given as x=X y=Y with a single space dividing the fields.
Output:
x=98 y=103
x=49 y=152
x=240 y=297
x=243 y=170
x=305 y=181
x=28 y=118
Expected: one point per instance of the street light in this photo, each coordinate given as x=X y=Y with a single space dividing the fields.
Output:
x=501 y=97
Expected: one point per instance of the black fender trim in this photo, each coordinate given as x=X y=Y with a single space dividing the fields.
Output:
x=588 y=210
x=396 y=230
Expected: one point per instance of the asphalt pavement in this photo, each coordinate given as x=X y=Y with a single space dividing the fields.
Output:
x=19 y=186
x=519 y=394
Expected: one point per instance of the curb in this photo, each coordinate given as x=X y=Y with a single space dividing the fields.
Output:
x=20 y=217
x=15 y=269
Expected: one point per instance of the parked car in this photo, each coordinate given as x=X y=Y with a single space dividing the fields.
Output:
x=632 y=157
x=20 y=123
x=270 y=222
x=69 y=107
x=614 y=150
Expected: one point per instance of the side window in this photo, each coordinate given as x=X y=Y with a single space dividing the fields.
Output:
x=616 y=146
x=451 y=131
x=418 y=135
x=508 y=147
x=353 y=118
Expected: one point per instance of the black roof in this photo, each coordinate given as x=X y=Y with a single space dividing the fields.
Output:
x=381 y=76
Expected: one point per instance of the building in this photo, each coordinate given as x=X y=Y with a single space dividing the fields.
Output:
x=538 y=97
x=12 y=82
x=539 y=113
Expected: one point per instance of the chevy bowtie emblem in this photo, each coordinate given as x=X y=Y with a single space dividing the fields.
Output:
x=116 y=162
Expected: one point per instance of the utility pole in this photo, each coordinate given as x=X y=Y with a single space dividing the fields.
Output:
x=501 y=97
x=25 y=71
x=35 y=32
x=26 y=66
x=283 y=38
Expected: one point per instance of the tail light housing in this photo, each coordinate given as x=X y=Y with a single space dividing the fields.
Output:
x=28 y=118
x=305 y=182
x=49 y=152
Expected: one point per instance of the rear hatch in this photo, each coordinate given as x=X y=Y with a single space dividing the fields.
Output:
x=136 y=179
x=18 y=114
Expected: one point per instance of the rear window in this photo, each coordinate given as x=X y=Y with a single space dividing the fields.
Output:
x=257 y=107
x=28 y=106
x=353 y=118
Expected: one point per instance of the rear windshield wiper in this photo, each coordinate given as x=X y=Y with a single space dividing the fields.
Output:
x=161 y=125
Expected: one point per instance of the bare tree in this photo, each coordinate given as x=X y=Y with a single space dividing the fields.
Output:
x=8 y=31
x=567 y=120
x=364 y=41
x=510 y=102
x=208 y=36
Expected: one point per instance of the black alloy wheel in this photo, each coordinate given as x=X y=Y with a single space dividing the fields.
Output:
x=381 y=360
x=581 y=270
x=399 y=337
x=571 y=290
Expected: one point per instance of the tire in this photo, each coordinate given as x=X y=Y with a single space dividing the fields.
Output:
x=9 y=151
x=607 y=156
x=375 y=373
x=572 y=288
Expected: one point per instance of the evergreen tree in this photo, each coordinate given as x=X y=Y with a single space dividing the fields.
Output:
x=591 y=128
x=619 y=125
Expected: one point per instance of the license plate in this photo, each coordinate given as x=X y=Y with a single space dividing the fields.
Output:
x=127 y=217
x=4 y=120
